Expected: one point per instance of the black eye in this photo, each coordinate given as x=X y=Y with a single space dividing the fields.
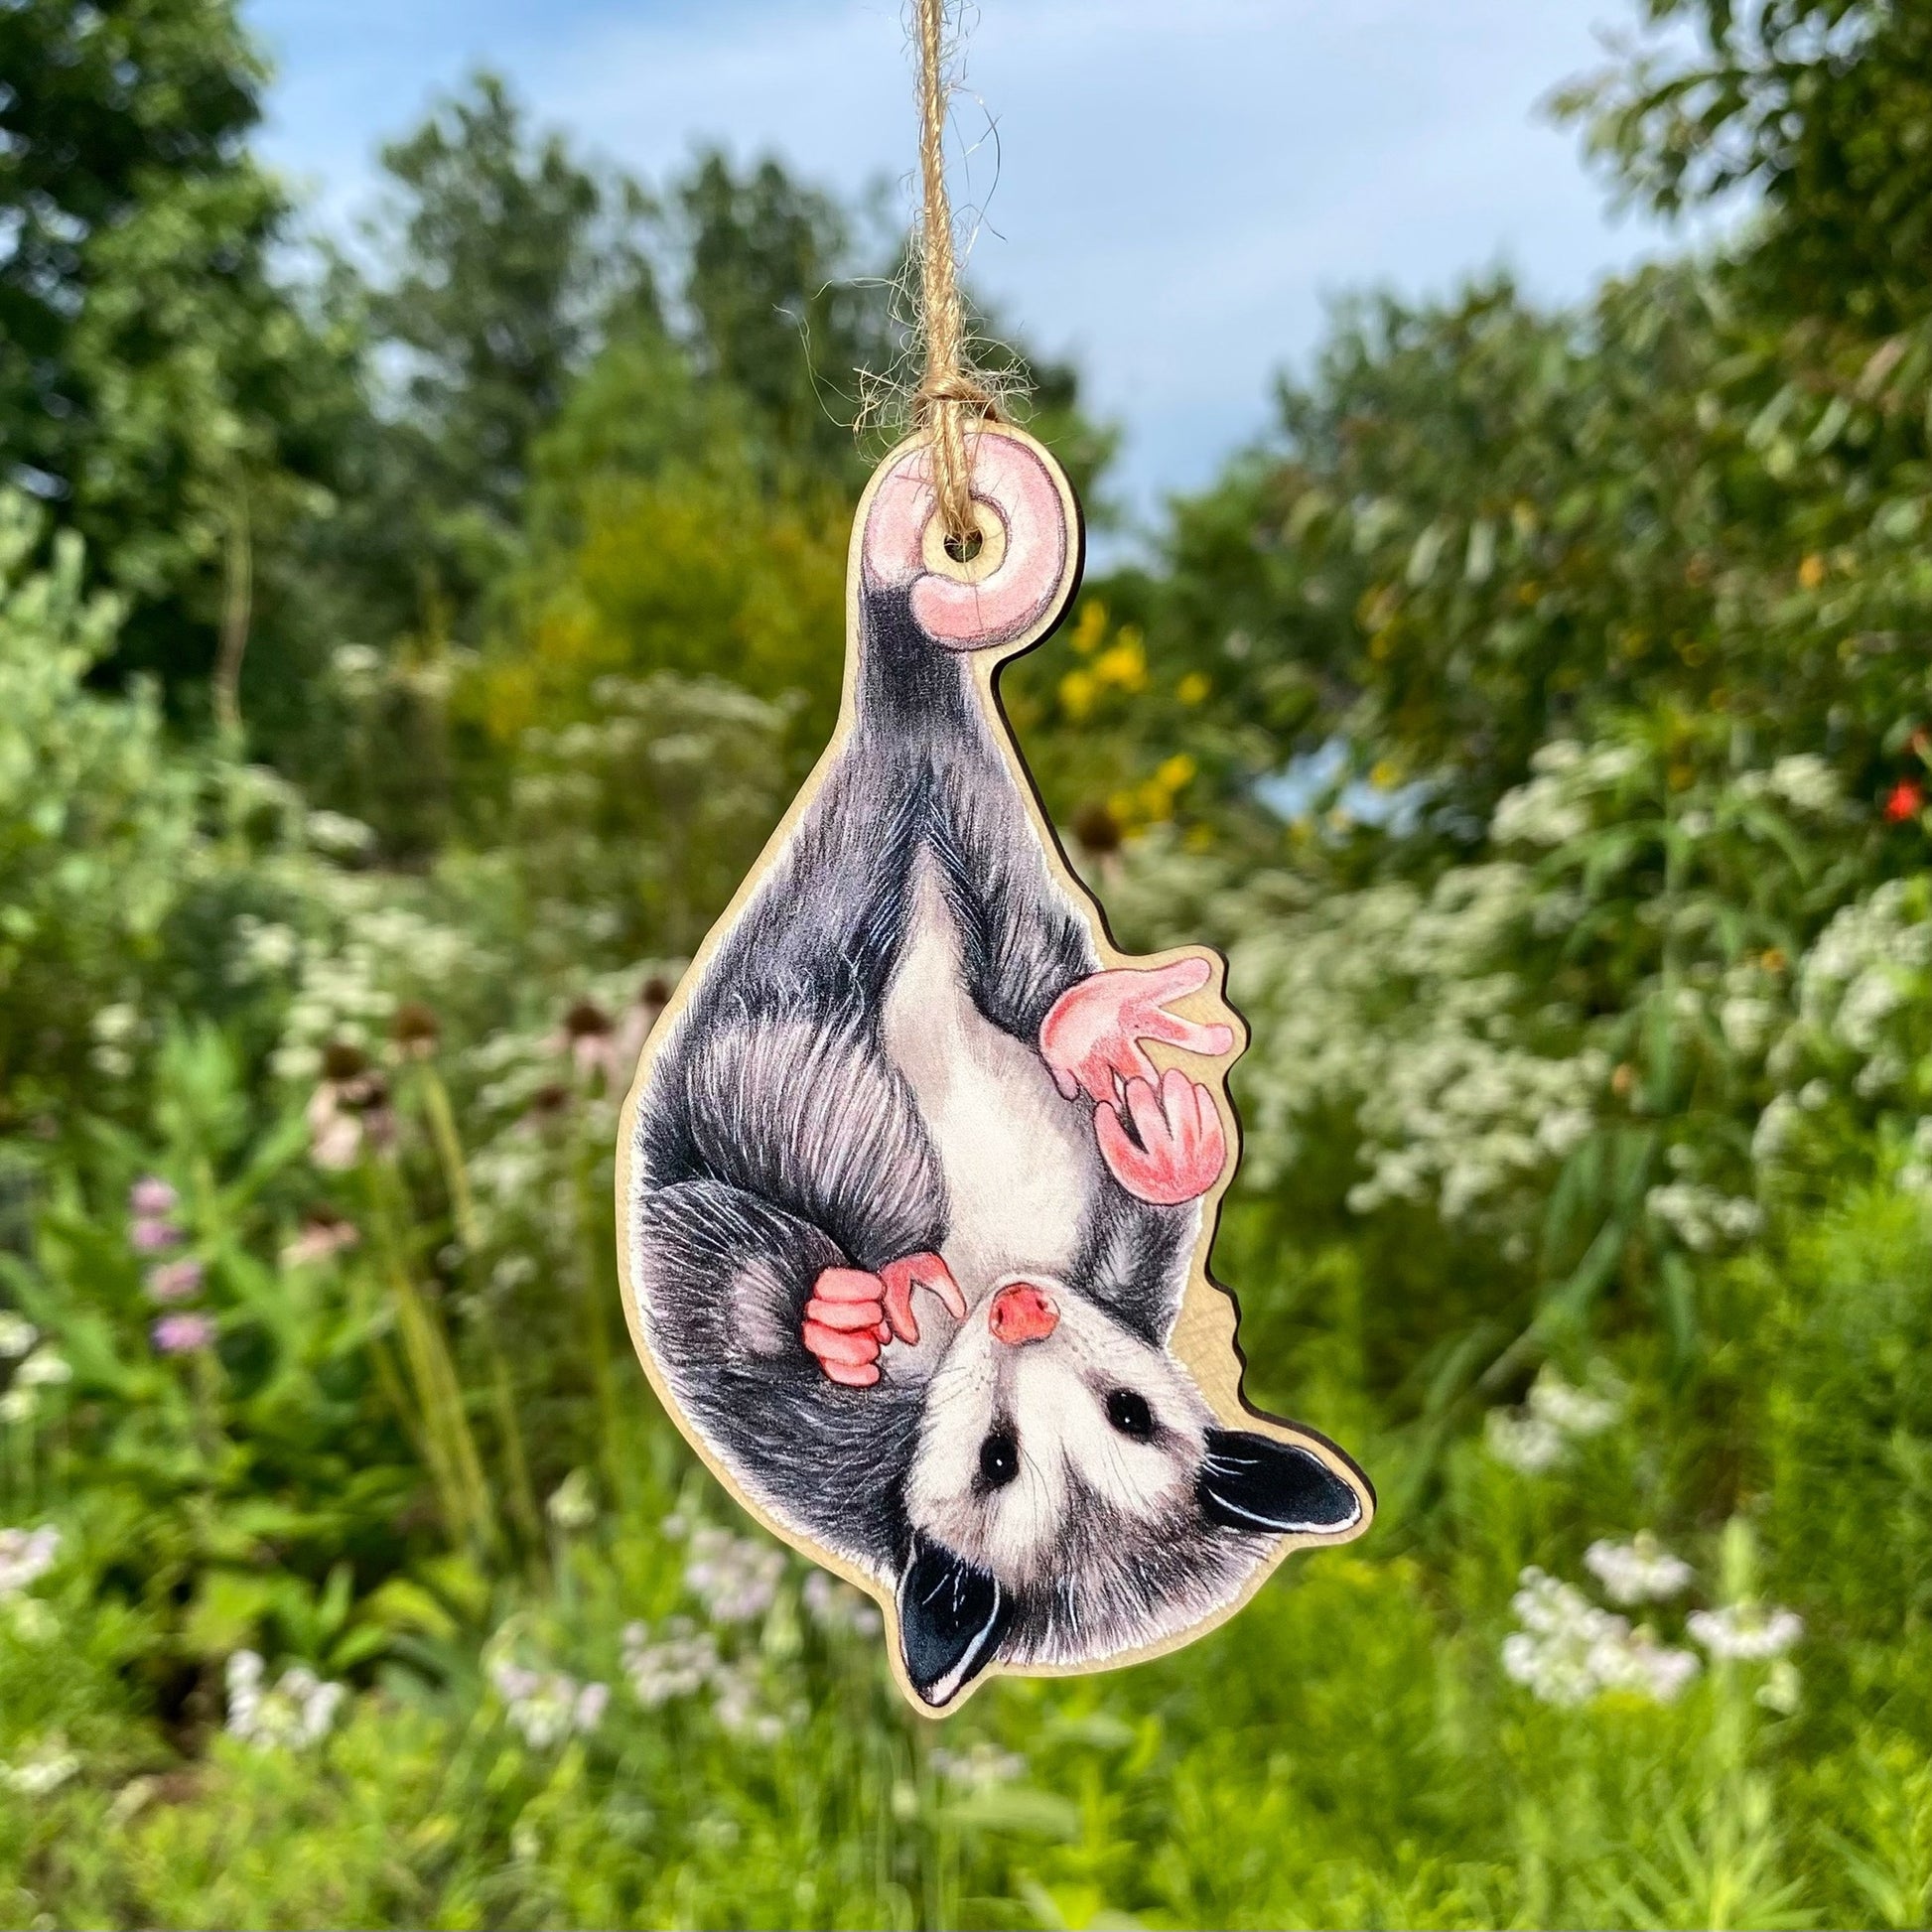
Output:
x=1129 y=1413
x=999 y=1458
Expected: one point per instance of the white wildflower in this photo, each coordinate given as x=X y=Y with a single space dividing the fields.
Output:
x=19 y=1405
x=25 y=1556
x=45 y=1368
x=1750 y=1632
x=1700 y=1218
x=297 y=1713
x=1880 y=1073
x=737 y=1704
x=1641 y=1571
x=46 y=1769
x=735 y=1577
x=1550 y=1656
x=1745 y=1020
x=1542 y=812
x=1576 y=1412
x=1771 y=1137
x=264 y=946
x=114 y=1030
x=338 y=834
x=546 y=1706
x=1637 y=1663
x=1568 y=1650
x=116 y=1025
x=1563 y=1128
x=682 y=1661
x=1806 y=781
x=572 y=1504
x=1523 y=1441
x=1868 y=964
x=981 y=1766
x=17 y=1336
x=357 y=668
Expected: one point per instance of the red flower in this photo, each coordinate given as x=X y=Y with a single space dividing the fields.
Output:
x=1905 y=801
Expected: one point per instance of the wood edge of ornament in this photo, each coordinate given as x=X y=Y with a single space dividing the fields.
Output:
x=1205 y=1333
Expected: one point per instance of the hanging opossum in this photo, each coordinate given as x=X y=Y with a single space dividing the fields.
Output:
x=912 y=1223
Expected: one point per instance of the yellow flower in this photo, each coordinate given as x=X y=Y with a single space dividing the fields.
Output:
x=1123 y=662
x=1810 y=572
x=1091 y=628
x=1192 y=688
x=1077 y=693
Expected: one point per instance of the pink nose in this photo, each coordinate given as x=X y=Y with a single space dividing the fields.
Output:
x=1022 y=1312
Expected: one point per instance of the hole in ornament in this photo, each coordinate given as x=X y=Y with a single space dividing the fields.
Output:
x=962 y=550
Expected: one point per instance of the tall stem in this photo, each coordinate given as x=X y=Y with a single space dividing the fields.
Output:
x=462 y=1210
x=237 y=613
x=455 y=1464
x=595 y=1243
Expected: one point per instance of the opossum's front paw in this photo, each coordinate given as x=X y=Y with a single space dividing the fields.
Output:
x=1182 y=1146
x=1092 y=1036
x=900 y=1277
x=853 y=1315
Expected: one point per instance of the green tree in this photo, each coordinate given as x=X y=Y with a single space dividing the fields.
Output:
x=157 y=387
x=504 y=262
x=1819 y=107
x=780 y=307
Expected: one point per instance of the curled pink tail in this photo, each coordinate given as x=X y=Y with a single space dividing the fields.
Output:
x=1016 y=582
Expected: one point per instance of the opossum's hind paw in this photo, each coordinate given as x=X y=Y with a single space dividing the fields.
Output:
x=1093 y=1034
x=852 y=1315
x=1177 y=1147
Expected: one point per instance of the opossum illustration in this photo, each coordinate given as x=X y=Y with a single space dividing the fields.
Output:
x=910 y=1215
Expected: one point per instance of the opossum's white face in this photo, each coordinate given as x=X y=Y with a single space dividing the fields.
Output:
x=1072 y=1498
x=1041 y=1405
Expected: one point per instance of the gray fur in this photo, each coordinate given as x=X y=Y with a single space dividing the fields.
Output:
x=777 y=1138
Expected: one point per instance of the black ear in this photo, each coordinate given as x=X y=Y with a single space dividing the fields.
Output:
x=951 y=1618
x=1255 y=1483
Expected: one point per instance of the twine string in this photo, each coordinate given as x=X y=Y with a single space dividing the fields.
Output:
x=950 y=396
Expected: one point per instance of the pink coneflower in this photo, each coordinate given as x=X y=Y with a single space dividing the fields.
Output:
x=151 y=1198
x=415 y=1028
x=632 y=1029
x=153 y=1237
x=322 y=1237
x=182 y=1335
x=174 y=1280
x=587 y=1033
x=348 y=1110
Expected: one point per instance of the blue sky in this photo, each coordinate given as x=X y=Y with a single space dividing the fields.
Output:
x=1181 y=183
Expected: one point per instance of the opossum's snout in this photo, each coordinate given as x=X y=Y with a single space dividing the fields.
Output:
x=1022 y=1313
x=1015 y=575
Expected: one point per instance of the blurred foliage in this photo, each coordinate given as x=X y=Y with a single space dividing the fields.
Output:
x=1538 y=716
x=1819 y=107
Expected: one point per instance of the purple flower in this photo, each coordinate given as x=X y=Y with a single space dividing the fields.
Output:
x=151 y=1198
x=149 y=1237
x=174 y=1280
x=182 y=1335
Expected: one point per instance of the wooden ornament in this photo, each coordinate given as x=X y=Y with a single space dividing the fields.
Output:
x=919 y=1173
